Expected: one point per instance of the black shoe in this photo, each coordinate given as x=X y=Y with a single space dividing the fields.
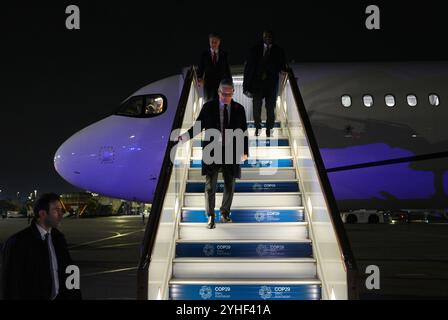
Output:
x=211 y=222
x=225 y=218
x=268 y=132
x=257 y=132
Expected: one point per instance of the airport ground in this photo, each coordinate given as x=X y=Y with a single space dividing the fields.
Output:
x=412 y=257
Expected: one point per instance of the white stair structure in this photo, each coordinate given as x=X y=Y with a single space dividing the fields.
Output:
x=283 y=243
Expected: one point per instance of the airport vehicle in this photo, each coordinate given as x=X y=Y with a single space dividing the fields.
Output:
x=364 y=216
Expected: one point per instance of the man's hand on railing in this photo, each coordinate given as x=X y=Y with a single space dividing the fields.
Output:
x=183 y=137
x=244 y=158
x=248 y=94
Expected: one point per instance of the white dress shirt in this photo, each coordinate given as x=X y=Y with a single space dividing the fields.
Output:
x=54 y=260
x=216 y=52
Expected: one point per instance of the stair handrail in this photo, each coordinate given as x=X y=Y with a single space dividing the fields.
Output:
x=160 y=193
x=341 y=235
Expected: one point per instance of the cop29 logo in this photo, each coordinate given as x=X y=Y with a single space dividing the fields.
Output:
x=209 y=250
x=205 y=292
x=265 y=292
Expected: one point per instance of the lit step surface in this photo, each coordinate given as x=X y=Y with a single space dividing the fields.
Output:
x=275 y=133
x=251 y=174
x=244 y=268
x=256 y=289
x=251 y=124
x=249 y=199
x=244 y=231
x=244 y=249
x=274 y=162
x=256 y=143
x=252 y=215
x=245 y=186
x=258 y=152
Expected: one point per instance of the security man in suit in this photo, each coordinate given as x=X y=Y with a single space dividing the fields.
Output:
x=35 y=259
x=261 y=76
x=225 y=120
x=213 y=67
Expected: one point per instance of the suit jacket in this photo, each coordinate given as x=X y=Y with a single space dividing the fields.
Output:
x=275 y=63
x=212 y=74
x=209 y=119
x=26 y=271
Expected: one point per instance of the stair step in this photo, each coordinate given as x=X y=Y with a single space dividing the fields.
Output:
x=256 y=142
x=243 y=268
x=251 y=174
x=247 y=215
x=275 y=133
x=274 y=162
x=235 y=289
x=250 y=199
x=255 y=152
x=251 y=124
x=244 y=231
x=248 y=248
x=247 y=186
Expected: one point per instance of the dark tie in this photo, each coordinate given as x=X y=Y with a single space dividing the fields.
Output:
x=50 y=255
x=214 y=57
x=225 y=123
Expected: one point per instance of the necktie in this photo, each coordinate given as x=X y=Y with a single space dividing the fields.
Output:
x=50 y=256
x=225 y=123
x=214 y=57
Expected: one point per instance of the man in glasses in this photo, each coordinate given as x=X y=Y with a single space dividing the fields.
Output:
x=261 y=76
x=225 y=120
x=213 y=67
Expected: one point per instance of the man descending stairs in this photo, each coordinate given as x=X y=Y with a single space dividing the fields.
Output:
x=265 y=252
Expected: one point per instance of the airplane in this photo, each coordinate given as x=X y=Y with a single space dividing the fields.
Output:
x=362 y=114
x=347 y=136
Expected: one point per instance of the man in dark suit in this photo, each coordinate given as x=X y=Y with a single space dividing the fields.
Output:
x=213 y=67
x=261 y=76
x=35 y=259
x=225 y=147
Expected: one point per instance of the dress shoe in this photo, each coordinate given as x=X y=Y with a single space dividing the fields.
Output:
x=257 y=132
x=211 y=222
x=225 y=218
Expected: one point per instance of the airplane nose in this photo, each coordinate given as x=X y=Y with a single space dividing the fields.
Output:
x=75 y=159
x=114 y=158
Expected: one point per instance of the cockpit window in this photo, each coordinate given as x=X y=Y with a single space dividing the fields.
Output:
x=368 y=100
x=434 y=100
x=412 y=100
x=145 y=106
x=346 y=101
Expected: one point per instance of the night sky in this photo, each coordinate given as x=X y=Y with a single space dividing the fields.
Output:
x=54 y=82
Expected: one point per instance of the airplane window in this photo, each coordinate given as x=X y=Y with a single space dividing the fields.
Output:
x=434 y=100
x=390 y=100
x=412 y=100
x=153 y=105
x=346 y=101
x=368 y=100
x=133 y=107
x=145 y=106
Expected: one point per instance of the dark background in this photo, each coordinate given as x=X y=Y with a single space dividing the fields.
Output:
x=54 y=81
